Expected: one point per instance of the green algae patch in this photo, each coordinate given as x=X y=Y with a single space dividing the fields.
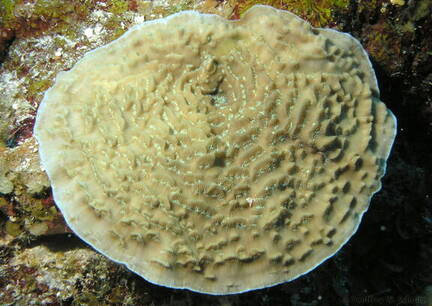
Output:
x=38 y=86
x=7 y=8
x=118 y=6
x=318 y=13
x=13 y=228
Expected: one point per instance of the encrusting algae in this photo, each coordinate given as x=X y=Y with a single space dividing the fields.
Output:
x=239 y=155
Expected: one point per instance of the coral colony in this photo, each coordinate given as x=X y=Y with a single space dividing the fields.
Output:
x=218 y=156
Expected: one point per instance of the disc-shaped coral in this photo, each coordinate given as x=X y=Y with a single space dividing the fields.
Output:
x=220 y=156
